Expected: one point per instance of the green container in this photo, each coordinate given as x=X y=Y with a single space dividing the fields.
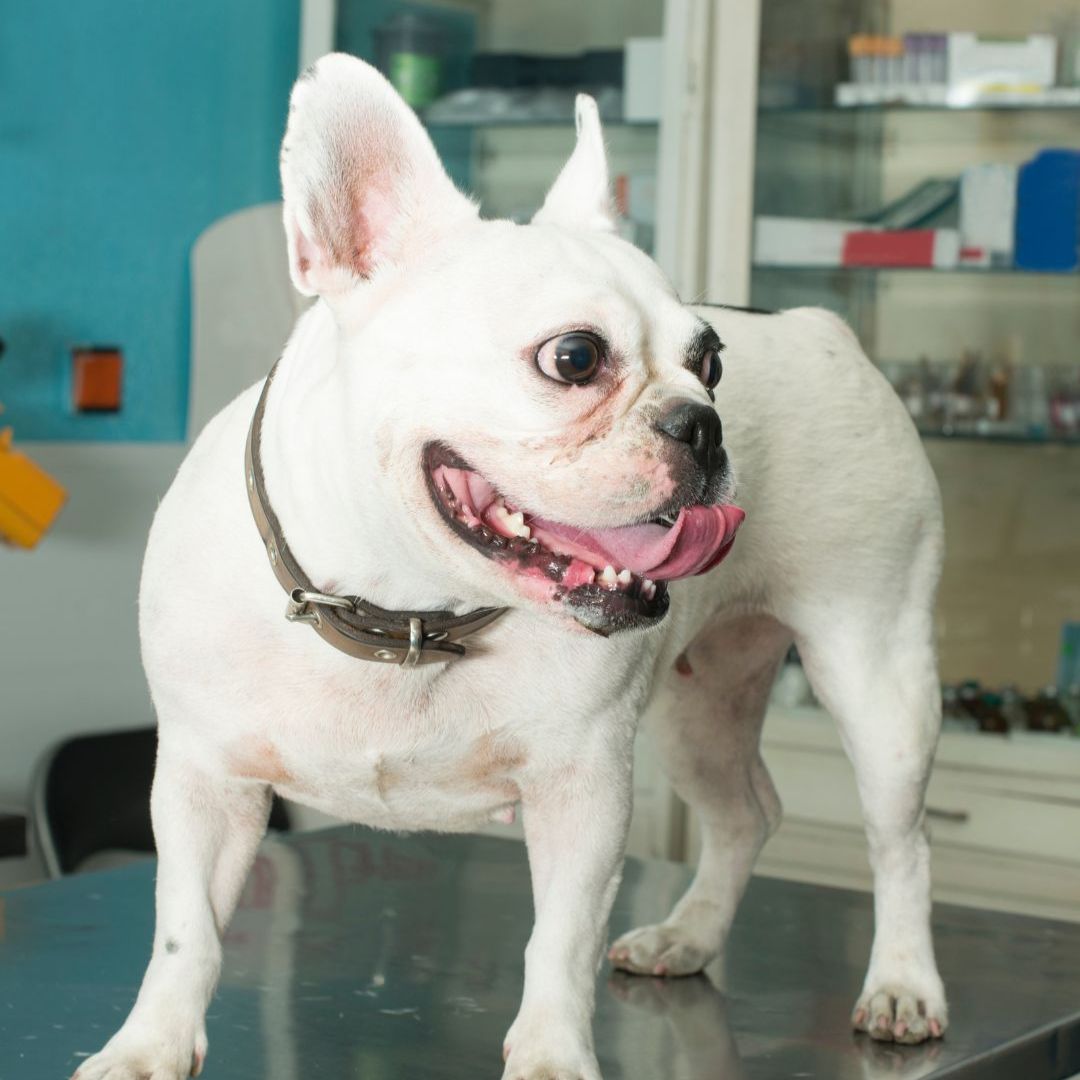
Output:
x=409 y=49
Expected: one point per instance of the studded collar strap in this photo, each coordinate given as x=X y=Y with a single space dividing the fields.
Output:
x=349 y=623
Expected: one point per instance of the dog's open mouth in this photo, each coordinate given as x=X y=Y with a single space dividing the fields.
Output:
x=611 y=578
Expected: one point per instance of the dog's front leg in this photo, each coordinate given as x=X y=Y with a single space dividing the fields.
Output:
x=576 y=821
x=207 y=828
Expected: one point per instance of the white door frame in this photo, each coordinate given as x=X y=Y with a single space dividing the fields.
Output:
x=317 y=20
x=732 y=148
x=705 y=183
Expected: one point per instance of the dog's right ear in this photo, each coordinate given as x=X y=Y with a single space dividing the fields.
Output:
x=362 y=183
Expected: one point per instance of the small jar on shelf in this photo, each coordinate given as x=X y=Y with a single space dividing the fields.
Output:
x=1045 y=712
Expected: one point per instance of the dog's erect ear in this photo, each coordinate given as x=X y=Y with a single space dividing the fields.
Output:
x=362 y=183
x=581 y=195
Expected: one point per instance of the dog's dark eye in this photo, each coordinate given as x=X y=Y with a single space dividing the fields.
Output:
x=711 y=369
x=570 y=358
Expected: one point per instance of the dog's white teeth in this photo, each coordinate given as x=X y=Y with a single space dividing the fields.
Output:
x=514 y=523
x=648 y=589
x=624 y=578
x=609 y=578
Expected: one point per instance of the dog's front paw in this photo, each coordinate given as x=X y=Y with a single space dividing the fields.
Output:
x=536 y=1054
x=544 y=1066
x=142 y=1054
x=661 y=950
x=892 y=1012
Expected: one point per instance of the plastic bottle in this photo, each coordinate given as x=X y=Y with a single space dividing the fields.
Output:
x=409 y=48
x=1012 y=707
x=1029 y=405
x=954 y=717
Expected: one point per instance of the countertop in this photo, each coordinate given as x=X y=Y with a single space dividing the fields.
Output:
x=356 y=954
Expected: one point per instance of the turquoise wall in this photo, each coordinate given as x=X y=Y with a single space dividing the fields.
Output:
x=126 y=128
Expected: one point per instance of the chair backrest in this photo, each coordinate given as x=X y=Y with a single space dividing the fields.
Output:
x=91 y=794
x=243 y=307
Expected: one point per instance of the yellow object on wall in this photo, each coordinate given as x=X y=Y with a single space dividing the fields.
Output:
x=30 y=498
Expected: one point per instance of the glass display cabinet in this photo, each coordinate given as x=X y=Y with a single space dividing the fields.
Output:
x=915 y=167
x=917 y=170
x=912 y=166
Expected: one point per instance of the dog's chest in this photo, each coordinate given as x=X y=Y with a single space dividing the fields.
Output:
x=388 y=759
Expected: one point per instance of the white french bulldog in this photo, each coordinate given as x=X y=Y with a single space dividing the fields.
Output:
x=479 y=414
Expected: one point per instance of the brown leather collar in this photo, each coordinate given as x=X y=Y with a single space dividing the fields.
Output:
x=348 y=623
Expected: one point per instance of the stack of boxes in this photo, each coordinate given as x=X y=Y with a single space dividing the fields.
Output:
x=1025 y=217
x=956 y=69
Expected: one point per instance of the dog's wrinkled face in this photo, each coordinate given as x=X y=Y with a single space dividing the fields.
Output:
x=575 y=444
x=537 y=400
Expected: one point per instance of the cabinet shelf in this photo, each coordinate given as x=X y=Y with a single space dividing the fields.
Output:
x=976 y=271
x=485 y=123
x=853 y=98
x=899 y=107
x=1007 y=438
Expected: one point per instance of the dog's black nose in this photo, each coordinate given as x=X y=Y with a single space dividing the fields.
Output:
x=699 y=427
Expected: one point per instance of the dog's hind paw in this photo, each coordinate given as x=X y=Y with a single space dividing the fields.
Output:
x=897 y=1014
x=660 y=950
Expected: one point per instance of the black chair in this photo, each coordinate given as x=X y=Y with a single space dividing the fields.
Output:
x=91 y=794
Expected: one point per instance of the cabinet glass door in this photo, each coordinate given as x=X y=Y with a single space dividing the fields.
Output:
x=918 y=171
x=494 y=82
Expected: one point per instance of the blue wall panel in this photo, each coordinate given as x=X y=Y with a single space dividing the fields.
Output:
x=126 y=128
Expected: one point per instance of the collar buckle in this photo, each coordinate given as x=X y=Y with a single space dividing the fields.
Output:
x=300 y=606
x=303 y=607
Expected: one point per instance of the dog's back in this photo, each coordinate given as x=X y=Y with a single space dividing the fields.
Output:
x=828 y=465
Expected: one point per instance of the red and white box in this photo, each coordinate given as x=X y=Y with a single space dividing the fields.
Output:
x=934 y=249
x=812 y=242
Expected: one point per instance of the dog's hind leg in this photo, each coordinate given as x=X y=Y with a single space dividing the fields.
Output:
x=207 y=828
x=706 y=719
x=875 y=670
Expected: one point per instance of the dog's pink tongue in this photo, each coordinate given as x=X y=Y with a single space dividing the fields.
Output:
x=697 y=541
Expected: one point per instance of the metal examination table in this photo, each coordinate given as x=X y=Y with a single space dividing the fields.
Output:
x=374 y=957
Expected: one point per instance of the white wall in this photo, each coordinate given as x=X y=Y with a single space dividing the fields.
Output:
x=69 y=656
